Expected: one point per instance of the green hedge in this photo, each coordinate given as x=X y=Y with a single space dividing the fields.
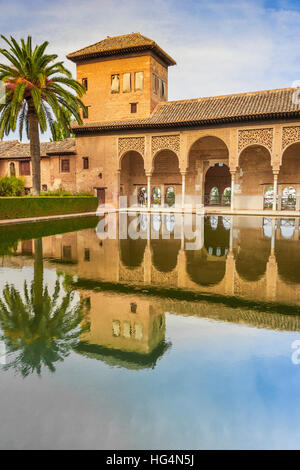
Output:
x=19 y=207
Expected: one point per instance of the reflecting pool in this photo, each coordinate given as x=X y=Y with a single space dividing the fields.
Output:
x=162 y=333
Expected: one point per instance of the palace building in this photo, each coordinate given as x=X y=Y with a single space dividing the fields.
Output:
x=240 y=150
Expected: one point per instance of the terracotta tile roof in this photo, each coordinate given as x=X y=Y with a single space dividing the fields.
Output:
x=127 y=43
x=260 y=105
x=14 y=149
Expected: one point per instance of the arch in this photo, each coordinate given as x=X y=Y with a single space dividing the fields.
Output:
x=203 y=153
x=254 y=175
x=132 y=175
x=216 y=236
x=132 y=252
x=252 y=145
x=289 y=175
x=207 y=136
x=287 y=255
x=217 y=178
x=203 y=270
x=165 y=254
x=166 y=171
x=252 y=254
x=206 y=267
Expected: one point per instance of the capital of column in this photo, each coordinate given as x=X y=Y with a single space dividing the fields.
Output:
x=148 y=174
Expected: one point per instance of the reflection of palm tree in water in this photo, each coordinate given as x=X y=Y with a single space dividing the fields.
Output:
x=39 y=329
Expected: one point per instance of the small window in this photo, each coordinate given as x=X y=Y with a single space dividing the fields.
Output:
x=100 y=176
x=139 y=81
x=87 y=254
x=133 y=307
x=44 y=187
x=65 y=166
x=115 y=83
x=12 y=169
x=85 y=112
x=25 y=168
x=85 y=83
x=126 y=82
x=133 y=107
x=85 y=163
x=67 y=253
x=116 y=328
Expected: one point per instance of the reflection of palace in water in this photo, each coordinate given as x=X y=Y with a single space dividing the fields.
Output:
x=253 y=259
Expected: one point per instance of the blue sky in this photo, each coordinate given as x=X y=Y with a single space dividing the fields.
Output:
x=220 y=46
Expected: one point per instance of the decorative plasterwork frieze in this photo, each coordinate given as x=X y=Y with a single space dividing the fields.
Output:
x=126 y=144
x=162 y=142
x=290 y=135
x=255 y=137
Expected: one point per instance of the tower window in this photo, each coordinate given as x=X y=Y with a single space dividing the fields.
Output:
x=154 y=83
x=133 y=107
x=163 y=89
x=85 y=163
x=126 y=82
x=115 y=83
x=139 y=81
x=85 y=83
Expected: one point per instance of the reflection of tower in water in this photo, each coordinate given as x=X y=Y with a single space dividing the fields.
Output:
x=125 y=331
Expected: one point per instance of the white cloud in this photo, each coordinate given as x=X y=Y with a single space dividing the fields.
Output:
x=220 y=46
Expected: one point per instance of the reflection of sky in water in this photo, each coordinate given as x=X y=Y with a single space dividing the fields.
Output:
x=220 y=386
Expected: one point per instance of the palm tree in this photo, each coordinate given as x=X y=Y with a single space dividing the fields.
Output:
x=38 y=91
x=39 y=329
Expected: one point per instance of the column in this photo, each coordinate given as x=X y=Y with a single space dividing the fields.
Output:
x=118 y=188
x=233 y=174
x=183 y=173
x=275 y=190
x=149 y=191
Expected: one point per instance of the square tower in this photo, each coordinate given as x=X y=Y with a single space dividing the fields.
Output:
x=125 y=77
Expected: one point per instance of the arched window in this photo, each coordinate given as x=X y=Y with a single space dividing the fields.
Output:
x=156 y=222
x=287 y=227
x=170 y=196
x=268 y=197
x=170 y=222
x=214 y=196
x=226 y=222
x=288 y=199
x=226 y=200
x=142 y=196
x=156 y=196
x=214 y=221
x=12 y=169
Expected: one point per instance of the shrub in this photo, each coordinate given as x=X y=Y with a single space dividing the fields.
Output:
x=62 y=193
x=16 y=207
x=11 y=186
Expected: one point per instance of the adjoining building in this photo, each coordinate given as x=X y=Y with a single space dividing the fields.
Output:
x=239 y=150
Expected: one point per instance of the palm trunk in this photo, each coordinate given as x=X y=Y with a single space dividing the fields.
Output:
x=35 y=154
x=38 y=276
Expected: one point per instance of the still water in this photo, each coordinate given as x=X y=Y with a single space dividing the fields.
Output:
x=184 y=336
